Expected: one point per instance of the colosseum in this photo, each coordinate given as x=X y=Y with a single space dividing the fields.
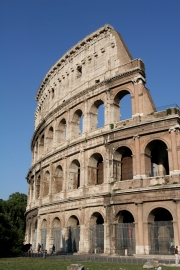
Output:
x=99 y=183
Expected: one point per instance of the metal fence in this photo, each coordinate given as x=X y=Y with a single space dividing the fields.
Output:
x=73 y=239
x=161 y=237
x=43 y=237
x=57 y=238
x=125 y=238
x=97 y=238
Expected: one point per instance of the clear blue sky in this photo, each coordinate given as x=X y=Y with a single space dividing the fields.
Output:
x=36 y=33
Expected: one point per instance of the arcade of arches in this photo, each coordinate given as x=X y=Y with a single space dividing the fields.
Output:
x=124 y=233
x=105 y=172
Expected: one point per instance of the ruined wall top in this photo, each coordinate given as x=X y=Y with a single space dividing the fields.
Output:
x=99 y=56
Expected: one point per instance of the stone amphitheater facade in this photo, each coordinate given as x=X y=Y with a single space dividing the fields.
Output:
x=112 y=189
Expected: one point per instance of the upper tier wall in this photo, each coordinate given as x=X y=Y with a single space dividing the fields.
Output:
x=94 y=59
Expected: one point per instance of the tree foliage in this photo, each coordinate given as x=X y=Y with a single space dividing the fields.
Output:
x=12 y=224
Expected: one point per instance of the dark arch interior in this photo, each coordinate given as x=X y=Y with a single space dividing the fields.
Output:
x=125 y=217
x=161 y=214
x=97 y=217
x=158 y=157
x=73 y=221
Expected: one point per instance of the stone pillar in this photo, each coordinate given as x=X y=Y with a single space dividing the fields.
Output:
x=113 y=238
x=32 y=231
x=41 y=186
x=107 y=108
x=85 y=118
x=82 y=169
x=136 y=98
x=177 y=234
x=140 y=242
x=38 y=239
x=146 y=238
x=133 y=105
x=29 y=192
x=107 y=238
x=81 y=241
x=66 y=178
x=174 y=132
x=50 y=181
x=137 y=157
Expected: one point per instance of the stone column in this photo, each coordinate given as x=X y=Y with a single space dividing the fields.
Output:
x=107 y=232
x=82 y=169
x=38 y=239
x=146 y=238
x=107 y=238
x=41 y=187
x=50 y=181
x=136 y=98
x=140 y=242
x=137 y=157
x=32 y=231
x=85 y=119
x=113 y=238
x=66 y=178
x=82 y=232
x=29 y=192
x=177 y=234
x=107 y=108
x=174 y=131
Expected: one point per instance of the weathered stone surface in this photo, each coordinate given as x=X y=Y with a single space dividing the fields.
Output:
x=86 y=181
x=148 y=265
x=154 y=263
x=75 y=267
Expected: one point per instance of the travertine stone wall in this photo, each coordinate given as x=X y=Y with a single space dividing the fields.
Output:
x=88 y=184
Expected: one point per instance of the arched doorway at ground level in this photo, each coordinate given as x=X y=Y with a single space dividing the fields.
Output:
x=96 y=233
x=125 y=233
x=161 y=232
x=73 y=234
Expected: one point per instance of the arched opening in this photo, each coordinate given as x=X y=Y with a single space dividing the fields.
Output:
x=57 y=235
x=122 y=164
x=38 y=179
x=161 y=232
x=41 y=145
x=43 y=234
x=96 y=233
x=36 y=151
x=74 y=175
x=50 y=138
x=46 y=183
x=34 y=235
x=96 y=170
x=61 y=132
x=32 y=188
x=77 y=124
x=57 y=180
x=156 y=159
x=125 y=232
x=73 y=234
x=29 y=232
x=52 y=93
x=122 y=106
x=97 y=115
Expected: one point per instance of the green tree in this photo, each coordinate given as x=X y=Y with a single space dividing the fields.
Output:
x=12 y=224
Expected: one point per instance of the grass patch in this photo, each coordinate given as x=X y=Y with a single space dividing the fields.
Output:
x=55 y=264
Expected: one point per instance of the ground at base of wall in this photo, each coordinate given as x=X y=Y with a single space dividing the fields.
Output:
x=27 y=263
